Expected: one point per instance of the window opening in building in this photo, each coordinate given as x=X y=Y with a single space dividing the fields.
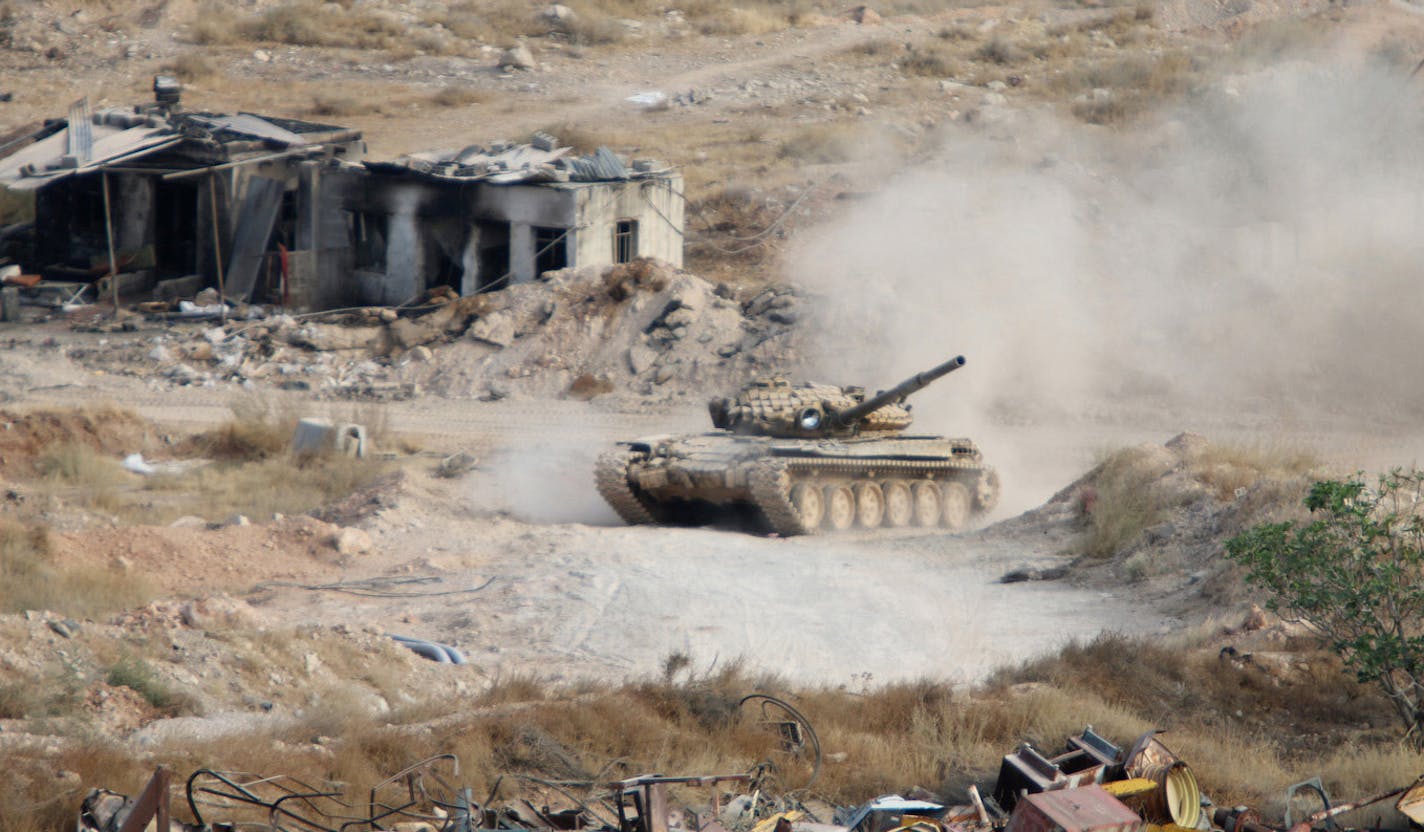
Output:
x=550 y=249
x=625 y=241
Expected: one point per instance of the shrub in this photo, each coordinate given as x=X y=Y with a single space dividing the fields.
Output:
x=1355 y=577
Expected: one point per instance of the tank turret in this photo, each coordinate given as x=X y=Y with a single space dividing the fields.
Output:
x=776 y=407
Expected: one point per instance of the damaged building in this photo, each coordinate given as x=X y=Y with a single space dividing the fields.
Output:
x=289 y=212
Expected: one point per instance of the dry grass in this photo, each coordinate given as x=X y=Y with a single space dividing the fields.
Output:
x=31 y=580
x=314 y=23
x=16 y=206
x=337 y=105
x=136 y=674
x=825 y=143
x=457 y=96
x=930 y=61
x=260 y=428
x=1230 y=470
x=191 y=66
x=1124 y=503
x=215 y=24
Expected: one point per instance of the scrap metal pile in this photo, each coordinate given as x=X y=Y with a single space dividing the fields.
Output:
x=1092 y=786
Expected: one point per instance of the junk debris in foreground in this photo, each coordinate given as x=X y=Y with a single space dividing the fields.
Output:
x=1093 y=785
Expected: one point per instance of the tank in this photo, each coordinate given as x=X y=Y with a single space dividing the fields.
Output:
x=804 y=458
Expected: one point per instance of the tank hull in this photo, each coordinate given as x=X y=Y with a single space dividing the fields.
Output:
x=799 y=486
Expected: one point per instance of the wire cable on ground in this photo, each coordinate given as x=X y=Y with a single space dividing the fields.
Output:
x=378 y=587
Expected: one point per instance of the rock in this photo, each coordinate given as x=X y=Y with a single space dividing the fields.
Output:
x=997 y=86
x=495 y=328
x=237 y=520
x=66 y=628
x=388 y=315
x=865 y=15
x=517 y=57
x=262 y=56
x=350 y=541
x=993 y=99
x=188 y=521
x=456 y=465
x=1187 y=443
x=421 y=354
x=558 y=13
x=640 y=358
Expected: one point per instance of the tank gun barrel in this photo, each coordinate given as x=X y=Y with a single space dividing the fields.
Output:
x=898 y=393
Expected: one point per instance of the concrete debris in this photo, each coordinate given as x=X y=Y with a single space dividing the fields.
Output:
x=641 y=329
x=316 y=435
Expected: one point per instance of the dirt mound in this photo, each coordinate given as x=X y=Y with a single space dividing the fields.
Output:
x=179 y=558
x=1158 y=516
x=27 y=436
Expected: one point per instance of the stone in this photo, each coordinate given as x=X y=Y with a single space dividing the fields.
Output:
x=993 y=99
x=421 y=354
x=350 y=541
x=238 y=520
x=865 y=16
x=65 y=628
x=455 y=465
x=558 y=13
x=495 y=328
x=262 y=56
x=517 y=57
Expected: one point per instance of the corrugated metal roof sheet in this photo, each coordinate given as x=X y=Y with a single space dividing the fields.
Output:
x=38 y=164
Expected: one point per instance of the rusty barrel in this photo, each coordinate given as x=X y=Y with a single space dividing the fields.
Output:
x=1177 y=798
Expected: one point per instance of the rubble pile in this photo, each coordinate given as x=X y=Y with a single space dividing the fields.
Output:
x=642 y=328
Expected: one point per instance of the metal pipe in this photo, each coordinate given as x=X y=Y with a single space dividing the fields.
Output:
x=109 y=234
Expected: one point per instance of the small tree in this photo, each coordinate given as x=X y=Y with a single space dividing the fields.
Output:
x=1355 y=576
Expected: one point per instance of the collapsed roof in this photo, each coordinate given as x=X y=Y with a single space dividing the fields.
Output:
x=86 y=142
x=505 y=163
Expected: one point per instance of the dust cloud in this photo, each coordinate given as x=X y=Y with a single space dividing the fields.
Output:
x=1252 y=256
x=545 y=482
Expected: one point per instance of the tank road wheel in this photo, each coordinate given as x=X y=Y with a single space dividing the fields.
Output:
x=986 y=491
x=840 y=507
x=809 y=503
x=955 y=511
x=869 y=505
x=926 y=501
x=899 y=504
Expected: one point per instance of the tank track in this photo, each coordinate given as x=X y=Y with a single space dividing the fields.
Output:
x=611 y=478
x=770 y=486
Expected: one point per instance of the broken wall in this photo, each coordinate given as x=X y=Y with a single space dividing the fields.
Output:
x=656 y=205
